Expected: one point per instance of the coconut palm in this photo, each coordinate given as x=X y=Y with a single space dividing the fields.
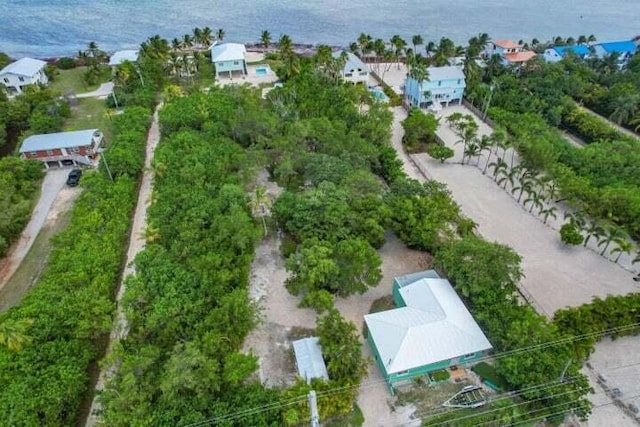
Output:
x=624 y=247
x=467 y=130
x=220 y=34
x=472 y=149
x=536 y=199
x=365 y=44
x=625 y=108
x=197 y=36
x=285 y=45
x=417 y=40
x=611 y=234
x=187 y=41
x=176 y=44
x=265 y=38
x=591 y=38
x=594 y=229
x=498 y=169
x=486 y=143
x=549 y=211
x=206 y=37
x=13 y=333
x=399 y=46
x=430 y=49
x=420 y=74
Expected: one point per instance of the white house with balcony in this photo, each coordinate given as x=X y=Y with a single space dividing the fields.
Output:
x=23 y=72
x=354 y=70
x=230 y=59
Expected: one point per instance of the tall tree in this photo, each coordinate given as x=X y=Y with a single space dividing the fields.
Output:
x=265 y=39
x=220 y=34
x=417 y=40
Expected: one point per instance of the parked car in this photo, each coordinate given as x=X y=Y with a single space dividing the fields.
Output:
x=74 y=177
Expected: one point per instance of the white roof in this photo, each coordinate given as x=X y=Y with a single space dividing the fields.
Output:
x=434 y=326
x=228 y=52
x=353 y=62
x=123 y=55
x=24 y=67
x=445 y=73
x=50 y=141
x=309 y=359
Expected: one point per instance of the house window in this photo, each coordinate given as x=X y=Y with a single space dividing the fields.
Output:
x=440 y=83
x=75 y=149
x=220 y=65
x=469 y=356
x=348 y=75
x=458 y=81
x=236 y=62
x=49 y=153
x=6 y=80
x=21 y=79
x=33 y=154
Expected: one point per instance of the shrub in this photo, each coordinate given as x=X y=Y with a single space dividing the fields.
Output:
x=440 y=152
x=66 y=63
x=438 y=376
x=570 y=234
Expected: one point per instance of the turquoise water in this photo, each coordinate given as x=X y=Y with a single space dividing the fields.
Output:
x=262 y=71
x=58 y=27
x=379 y=95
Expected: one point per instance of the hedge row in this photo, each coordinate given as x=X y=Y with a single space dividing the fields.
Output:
x=591 y=128
x=72 y=305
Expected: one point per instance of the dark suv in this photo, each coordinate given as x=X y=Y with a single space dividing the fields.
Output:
x=74 y=177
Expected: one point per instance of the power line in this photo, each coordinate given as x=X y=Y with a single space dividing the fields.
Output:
x=325 y=393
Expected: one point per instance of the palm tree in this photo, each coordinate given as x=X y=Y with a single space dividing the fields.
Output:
x=624 y=246
x=550 y=211
x=399 y=46
x=594 y=229
x=625 y=108
x=612 y=234
x=265 y=39
x=535 y=198
x=187 y=41
x=417 y=40
x=13 y=333
x=430 y=48
x=499 y=168
x=364 y=42
x=472 y=149
x=582 y=39
x=220 y=34
x=176 y=44
x=420 y=74
x=591 y=38
x=285 y=45
x=197 y=36
x=206 y=37
x=486 y=143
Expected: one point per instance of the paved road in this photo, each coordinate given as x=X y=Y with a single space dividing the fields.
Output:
x=53 y=182
x=136 y=244
x=103 y=91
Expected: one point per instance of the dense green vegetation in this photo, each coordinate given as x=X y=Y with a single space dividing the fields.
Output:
x=71 y=307
x=19 y=181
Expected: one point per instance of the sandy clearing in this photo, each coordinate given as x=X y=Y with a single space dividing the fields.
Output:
x=53 y=193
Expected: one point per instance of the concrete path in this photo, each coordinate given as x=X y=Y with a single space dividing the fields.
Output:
x=53 y=183
x=103 y=91
x=136 y=244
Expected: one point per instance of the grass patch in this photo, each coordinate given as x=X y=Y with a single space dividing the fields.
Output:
x=298 y=332
x=73 y=80
x=355 y=418
x=33 y=263
x=382 y=304
x=488 y=372
x=438 y=376
x=88 y=114
x=426 y=396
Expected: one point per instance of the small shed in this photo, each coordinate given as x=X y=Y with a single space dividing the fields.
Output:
x=309 y=359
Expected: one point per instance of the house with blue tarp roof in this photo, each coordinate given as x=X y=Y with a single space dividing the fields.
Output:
x=555 y=54
x=625 y=49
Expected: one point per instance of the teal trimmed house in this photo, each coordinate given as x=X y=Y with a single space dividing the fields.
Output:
x=430 y=330
x=444 y=86
x=230 y=59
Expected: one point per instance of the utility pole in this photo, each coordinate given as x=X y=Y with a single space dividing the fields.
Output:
x=105 y=164
x=486 y=107
x=313 y=407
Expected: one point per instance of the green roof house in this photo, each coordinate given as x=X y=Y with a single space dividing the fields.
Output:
x=431 y=330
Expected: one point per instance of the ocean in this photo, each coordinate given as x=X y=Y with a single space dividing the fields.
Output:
x=47 y=28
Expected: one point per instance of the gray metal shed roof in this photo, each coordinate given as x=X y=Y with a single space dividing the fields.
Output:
x=434 y=326
x=24 y=67
x=309 y=359
x=50 y=141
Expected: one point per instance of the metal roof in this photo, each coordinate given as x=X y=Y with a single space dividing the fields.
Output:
x=506 y=44
x=228 y=52
x=123 y=55
x=434 y=326
x=24 y=67
x=580 y=50
x=445 y=73
x=50 y=141
x=623 y=46
x=309 y=359
x=353 y=64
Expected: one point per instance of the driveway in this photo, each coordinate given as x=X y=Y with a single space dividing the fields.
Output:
x=53 y=183
x=103 y=91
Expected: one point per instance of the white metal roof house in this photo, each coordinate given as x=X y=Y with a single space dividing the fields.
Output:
x=431 y=330
x=354 y=70
x=229 y=58
x=123 y=55
x=76 y=147
x=309 y=359
x=23 y=72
